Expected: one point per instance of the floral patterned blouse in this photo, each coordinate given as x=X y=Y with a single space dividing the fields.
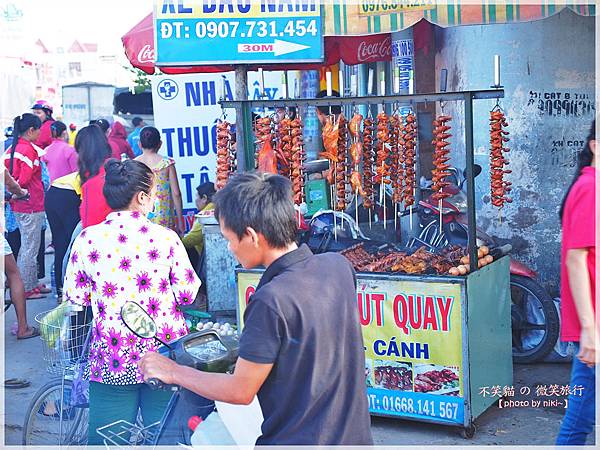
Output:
x=125 y=258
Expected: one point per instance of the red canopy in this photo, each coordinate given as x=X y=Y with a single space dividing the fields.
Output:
x=139 y=48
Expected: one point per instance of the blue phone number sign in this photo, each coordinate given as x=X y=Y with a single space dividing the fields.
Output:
x=247 y=32
x=439 y=408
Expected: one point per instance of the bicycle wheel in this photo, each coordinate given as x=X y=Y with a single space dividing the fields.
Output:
x=535 y=322
x=43 y=424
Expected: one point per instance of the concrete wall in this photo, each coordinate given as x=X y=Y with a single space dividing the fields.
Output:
x=548 y=73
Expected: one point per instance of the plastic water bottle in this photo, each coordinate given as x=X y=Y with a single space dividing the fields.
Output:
x=210 y=431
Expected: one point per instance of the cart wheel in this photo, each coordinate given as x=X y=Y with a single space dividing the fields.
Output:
x=468 y=432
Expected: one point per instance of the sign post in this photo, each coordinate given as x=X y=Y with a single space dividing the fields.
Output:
x=194 y=32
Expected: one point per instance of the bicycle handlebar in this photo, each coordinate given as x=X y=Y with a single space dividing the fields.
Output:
x=154 y=383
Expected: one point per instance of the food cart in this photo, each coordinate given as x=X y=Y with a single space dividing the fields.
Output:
x=432 y=341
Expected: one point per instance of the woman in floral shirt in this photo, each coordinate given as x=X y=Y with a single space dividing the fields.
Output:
x=125 y=258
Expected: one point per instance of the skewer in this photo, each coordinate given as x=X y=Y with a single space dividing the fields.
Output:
x=370 y=225
x=440 y=211
x=410 y=215
x=396 y=216
x=356 y=206
x=334 y=207
x=384 y=216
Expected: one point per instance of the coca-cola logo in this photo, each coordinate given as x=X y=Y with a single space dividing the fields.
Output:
x=368 y=51
x=146 y=54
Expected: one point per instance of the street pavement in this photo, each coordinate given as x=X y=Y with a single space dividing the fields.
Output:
x=506 y=426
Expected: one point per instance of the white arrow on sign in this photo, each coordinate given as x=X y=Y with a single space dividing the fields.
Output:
x=278 y=48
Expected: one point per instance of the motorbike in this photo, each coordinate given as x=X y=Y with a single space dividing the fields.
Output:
x=534 y=317
x=204 y=350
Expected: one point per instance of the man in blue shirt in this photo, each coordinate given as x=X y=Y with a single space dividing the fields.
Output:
x=134 y=136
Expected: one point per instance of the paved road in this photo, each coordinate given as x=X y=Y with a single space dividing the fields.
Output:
x=514 y=426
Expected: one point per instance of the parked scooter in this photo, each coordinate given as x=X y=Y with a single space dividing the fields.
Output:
x=204 y=350
x=535 y=321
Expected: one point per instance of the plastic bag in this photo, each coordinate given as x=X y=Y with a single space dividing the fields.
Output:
x=80 y=396
x=52 y=324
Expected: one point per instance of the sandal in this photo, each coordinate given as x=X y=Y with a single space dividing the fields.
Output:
x=67 y=414
x=16 y=383
x=43 y=289
x=34 y=294
x=34 y=333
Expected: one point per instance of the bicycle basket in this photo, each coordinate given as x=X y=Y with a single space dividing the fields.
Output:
x=123 y=434
x=64 y=332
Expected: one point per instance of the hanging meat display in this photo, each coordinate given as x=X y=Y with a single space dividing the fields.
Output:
x=397 y=158
x=356 y=154
x=266 y=159
x=330 y=135
x=409 y=139
x=382 y=168
x=283 y=146
x=498 y=161
x=440 y=157
x=296 y=161
x=368 y=163
x=340 y=165
x=225 y=154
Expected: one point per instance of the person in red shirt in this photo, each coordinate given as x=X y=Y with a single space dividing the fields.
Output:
x=43 y=110
x=93 y=150
x=115 y=145
x=22 y=161
x=118 y=135
x=578 y=298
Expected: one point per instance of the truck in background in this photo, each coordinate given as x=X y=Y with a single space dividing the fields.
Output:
x=82 y=102
x=128 y=105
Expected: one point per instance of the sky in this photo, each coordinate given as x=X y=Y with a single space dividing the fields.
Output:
x=59 y=22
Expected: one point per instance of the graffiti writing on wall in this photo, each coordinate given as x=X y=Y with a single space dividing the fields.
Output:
x=563 y=152
x=562 y=104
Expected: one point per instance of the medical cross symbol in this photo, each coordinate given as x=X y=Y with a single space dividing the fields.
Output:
x=168 y=89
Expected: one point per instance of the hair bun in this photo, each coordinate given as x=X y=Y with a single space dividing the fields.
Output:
x=116 y=172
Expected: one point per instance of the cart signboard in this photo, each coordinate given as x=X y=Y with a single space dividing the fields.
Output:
x=209 y=32
x=413 y=339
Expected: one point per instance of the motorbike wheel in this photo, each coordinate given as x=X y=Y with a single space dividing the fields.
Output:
x=535 y=322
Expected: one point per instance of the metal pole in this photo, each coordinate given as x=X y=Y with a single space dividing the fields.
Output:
x=376 y=100
x=470 y=161
x=89 y=99
x=242 y=127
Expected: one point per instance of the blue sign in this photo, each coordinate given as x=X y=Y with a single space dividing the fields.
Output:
x=209 y=32
x=167 y=89
x=439 y=408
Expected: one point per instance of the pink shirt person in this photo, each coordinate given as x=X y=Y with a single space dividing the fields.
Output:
x=60 y=158
x=579 y=231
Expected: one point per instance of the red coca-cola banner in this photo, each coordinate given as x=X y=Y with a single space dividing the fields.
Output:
x=365 y=49
x=139 y=48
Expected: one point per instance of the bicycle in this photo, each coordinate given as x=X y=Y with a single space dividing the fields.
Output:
x=56 y=416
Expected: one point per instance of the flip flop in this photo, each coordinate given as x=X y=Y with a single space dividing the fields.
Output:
x=16 y=383
x=34 y=333
x=67 y=414
x=34 y=294
x=43 y=289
